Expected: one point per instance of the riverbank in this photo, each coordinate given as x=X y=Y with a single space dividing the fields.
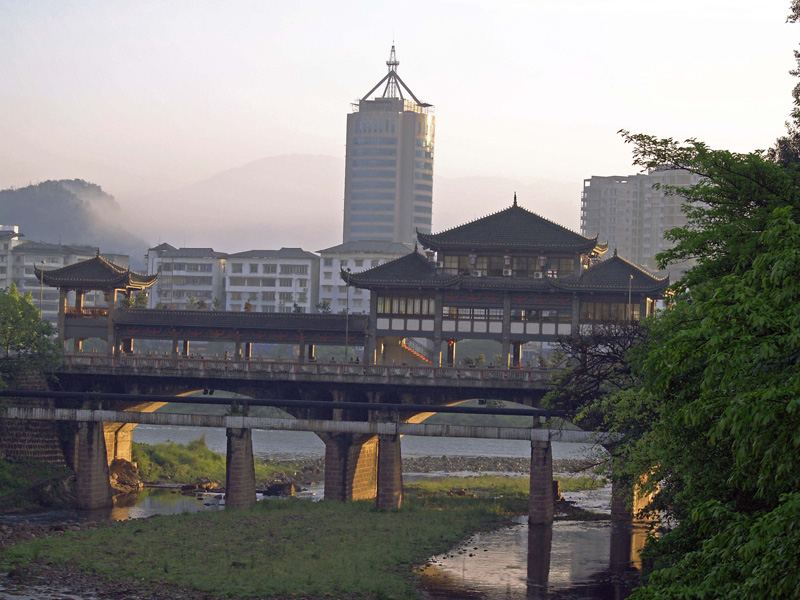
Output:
x=276 y=549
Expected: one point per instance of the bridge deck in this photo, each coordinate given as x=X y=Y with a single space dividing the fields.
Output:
x=316 y=425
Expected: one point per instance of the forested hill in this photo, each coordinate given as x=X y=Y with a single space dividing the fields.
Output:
x=70 y=212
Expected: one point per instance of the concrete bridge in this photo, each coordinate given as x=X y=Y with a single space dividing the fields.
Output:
x=343 y=477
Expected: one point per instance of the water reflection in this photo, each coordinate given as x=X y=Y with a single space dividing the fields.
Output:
x=589 y=560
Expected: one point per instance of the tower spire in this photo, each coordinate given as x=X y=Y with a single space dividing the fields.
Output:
x=391 y=84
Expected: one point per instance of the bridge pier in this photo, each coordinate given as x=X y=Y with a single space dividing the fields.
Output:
x=240 y=475
x=351 y=466
x=540 y=508
x=93 y=489
x=119 y=440
x=390 y=472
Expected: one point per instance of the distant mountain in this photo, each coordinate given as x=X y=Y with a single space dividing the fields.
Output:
x=291 y=200
x=297 y=200
x=71 y=212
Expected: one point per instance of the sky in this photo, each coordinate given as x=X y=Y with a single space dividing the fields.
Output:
x=142 y=97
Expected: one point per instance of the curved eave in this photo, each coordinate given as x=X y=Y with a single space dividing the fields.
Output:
x=578 y=287
x=118 y=283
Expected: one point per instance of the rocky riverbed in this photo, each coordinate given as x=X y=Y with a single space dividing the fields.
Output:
x=308 y=472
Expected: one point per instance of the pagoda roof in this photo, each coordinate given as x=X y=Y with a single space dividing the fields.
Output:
x=514 y=228
x=410 y=270
x=95 y=273
x=614 y=274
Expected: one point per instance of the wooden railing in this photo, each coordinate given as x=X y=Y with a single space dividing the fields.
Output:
x=270 y=369
x=92 y=312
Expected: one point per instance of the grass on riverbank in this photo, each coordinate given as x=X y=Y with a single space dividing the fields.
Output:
x=185 y=463
x=496 y=486
x=16 y=476
x=279 y=548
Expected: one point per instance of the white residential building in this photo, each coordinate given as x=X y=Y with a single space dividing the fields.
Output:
x=632 y=214
x=353 y=256
x=187 y=277
x=284 y=280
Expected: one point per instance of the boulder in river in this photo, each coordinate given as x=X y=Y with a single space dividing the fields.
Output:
x=124 y=476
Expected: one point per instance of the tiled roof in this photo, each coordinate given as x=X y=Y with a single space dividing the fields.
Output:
x=511 y=229
x=409 y=270
x=95 y=273
x=192 y=253
x=240 y=320
x=613 y=275
x=162 y=247
x=31 y=246
x=368 y=247
x=282 y=253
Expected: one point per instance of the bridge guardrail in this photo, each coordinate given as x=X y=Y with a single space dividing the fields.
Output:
x=347 y=370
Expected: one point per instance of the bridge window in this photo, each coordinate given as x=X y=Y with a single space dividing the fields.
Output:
x=472 y=314
x=399 y=305
x=597 y=312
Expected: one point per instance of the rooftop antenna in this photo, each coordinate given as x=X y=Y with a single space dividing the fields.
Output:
x=391 y=84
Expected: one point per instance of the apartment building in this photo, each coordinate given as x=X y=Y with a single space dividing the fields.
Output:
x=353 y=257
x=283 y=281
x=188 y=278
x=632 y=213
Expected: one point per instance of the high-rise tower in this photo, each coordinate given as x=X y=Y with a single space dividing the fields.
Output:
x=388 y=185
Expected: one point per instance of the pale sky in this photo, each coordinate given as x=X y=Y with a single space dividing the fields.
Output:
x=141 y=97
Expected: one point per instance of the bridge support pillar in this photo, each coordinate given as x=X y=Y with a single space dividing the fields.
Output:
x=540 y=509
x=390 y=472
x=119 y=440
x=186 y=347
x=351 y=467
x=240 y=474
x=93 y=490
x=451 y=352
x=310 y=355
x=175 y=348
x=248 y=350
x=516 y=358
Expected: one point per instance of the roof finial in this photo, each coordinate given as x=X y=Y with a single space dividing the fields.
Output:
x=415 y=247
x=98 y=251
x=515 y=198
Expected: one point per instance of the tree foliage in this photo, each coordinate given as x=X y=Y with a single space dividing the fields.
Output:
x=26 y=340
x=719 y=382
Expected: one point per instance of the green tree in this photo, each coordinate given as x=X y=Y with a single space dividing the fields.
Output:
x=139 y=300
x=323 y=307
x=26 y=341
x=716 y=412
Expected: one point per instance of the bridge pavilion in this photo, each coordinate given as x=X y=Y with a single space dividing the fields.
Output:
x=79 y=323
x=512 y=276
